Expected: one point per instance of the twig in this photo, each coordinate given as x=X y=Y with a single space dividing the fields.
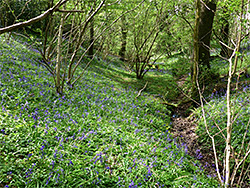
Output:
x=238 y=165
x=178 y=87
x=170 y=104
x=139 y=93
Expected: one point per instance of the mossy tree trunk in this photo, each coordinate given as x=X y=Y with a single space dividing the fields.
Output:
x=205 y=11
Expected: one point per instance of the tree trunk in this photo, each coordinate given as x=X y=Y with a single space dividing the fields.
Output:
x=205 y=26
x=205 y=11
x=225 y=52
x=123 y=39
x=92 y=35
x=59 y=57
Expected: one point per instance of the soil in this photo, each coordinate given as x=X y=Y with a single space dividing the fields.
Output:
x=184 y=127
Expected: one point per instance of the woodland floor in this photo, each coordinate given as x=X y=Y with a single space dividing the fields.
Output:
x=184 y=127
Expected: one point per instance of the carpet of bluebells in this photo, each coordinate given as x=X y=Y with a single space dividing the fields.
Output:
x=96 y=135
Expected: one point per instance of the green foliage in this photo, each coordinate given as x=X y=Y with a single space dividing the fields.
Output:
x=97 y=135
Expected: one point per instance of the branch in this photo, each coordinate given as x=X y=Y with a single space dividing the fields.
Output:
x=183 y=17
x=71 y=11
x=32 y=20
x=139 y=93
x=23 y=9
x=207 y=6
x=239 y=164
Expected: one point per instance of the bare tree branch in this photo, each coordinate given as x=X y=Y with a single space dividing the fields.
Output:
x=71 y=11
x=33 y=20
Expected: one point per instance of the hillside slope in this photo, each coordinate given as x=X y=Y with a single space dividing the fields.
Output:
x=97 y=135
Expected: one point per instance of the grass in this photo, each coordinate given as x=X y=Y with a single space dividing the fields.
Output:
x=97 y=135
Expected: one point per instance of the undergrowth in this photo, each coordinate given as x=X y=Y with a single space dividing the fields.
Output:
x=97 y=135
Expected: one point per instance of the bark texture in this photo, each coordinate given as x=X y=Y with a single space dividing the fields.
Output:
x=204 y=30
x=205 y=11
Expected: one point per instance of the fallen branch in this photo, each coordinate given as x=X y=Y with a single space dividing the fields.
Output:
x=170 y=104
x=139 y=93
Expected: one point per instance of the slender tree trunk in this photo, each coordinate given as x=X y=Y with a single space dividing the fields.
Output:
x=59 y=57
x=239 y=37
x=124 y=39
x=229 y=128
x=92 y=35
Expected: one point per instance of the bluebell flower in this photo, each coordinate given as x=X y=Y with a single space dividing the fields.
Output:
x=42 y=147
x=70 y=162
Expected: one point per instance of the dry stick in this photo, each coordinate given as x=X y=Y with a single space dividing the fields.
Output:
x=239 y=38
x=213 y=118
x=229 y=123
x=242 y=169
x=220 y=130
x=139 y=93
x=187 y=95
